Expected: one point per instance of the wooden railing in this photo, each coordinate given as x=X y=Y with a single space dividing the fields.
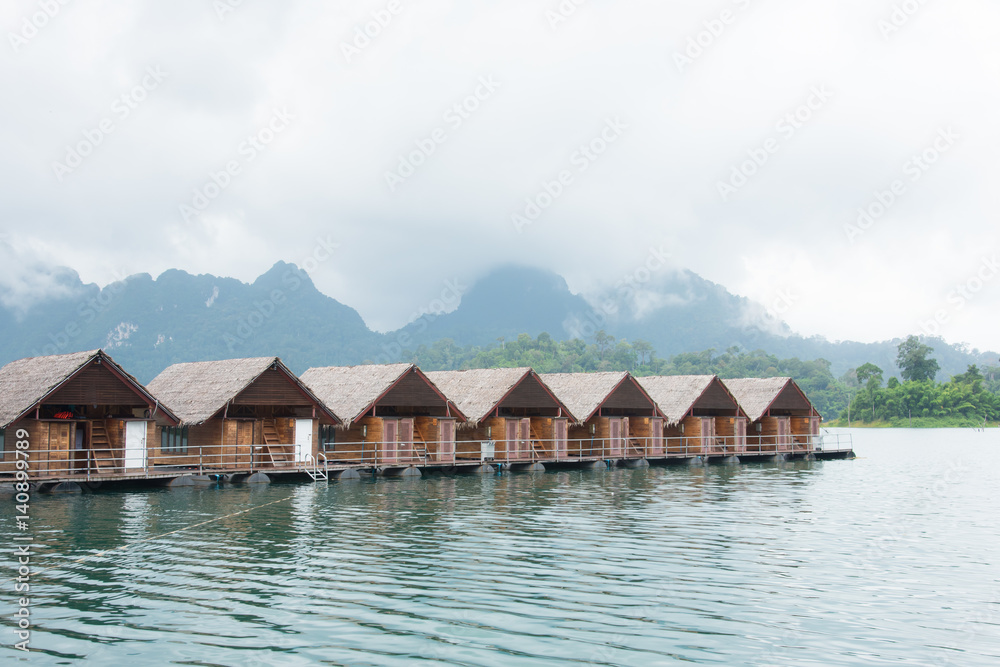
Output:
x=96 y=462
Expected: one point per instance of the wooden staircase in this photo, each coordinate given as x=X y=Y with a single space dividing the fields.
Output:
x=537 y=446
x=634 y=448
x=419 y=446
x=278 y=453
x=100 y=445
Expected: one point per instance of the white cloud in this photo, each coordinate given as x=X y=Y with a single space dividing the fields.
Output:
x=451 y=219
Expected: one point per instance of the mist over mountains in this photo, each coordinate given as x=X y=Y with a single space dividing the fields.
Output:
x=147 y=324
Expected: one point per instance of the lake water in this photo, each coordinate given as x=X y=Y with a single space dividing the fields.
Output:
x=888 y=559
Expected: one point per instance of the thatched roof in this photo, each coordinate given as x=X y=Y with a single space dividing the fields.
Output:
x=585 y=393
x=27 y=382
x=198 y=390
x=352 y=390
x=679 y=395
x=479 y=391
x=676 y=395
x=757 y=395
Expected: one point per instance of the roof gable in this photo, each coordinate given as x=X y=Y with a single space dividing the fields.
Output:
x=679 y=395
x=80 y=377
x=480 y=391
x=586 y=393
x=759 y=395
x=354 y=390
x=197 y=391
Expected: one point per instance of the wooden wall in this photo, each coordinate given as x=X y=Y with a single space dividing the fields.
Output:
x=431 y=432
x=768 y=436
x=52 y=449
x=467 y=440
x=734 y=438
x=584 y=444
x=648 y=434
x=96 y=385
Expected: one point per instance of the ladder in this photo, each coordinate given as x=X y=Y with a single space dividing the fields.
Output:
x=418 y=446
x=100 y=446
x=315 y=471
x=538 y=450
x=635 y=447
x=278 y=453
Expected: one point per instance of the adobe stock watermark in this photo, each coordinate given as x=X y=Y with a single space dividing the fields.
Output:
x=627 y=287
x=899 y=17
x=550 y=190
x=782 y=303
x=449 y=299
x=22 y=543
x=33 y=23
x=938 y=491
x=87 y=311
x=223 y=8
x=291 y=281
x=703 y=40
x=121 y=108
x=454 y=117
x=970 y=629
x=913 y=170
x=961 y=295
x=769 y=321
x=786 y=128
x=365 y=33
x=562 y=12
x=605 y=654
x=248 y=150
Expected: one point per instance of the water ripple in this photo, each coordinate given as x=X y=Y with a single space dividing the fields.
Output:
x=887 y=559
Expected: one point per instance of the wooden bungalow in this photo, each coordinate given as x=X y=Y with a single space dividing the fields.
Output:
x=614 y=416
x=703 y=417
x=782 y=418
x=510 y=407
x=80 y=414
x=240 y=414
x=393 y=415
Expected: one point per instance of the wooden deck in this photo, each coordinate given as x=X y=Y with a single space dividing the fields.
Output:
x=326 y=466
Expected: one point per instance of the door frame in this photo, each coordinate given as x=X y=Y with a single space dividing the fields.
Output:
x=136 y=445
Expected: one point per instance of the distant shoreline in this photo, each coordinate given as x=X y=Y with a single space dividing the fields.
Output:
x=917 y=422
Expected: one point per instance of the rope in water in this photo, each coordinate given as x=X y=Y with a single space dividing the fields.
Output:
x=155 y=537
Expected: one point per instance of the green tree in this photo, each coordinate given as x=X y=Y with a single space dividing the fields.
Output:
x=912 y=360
x=970 y=376
x=604 y=341
x=870 y=375
x=644 y=349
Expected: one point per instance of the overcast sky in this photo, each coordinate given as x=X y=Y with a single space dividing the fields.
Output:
x=740 y=136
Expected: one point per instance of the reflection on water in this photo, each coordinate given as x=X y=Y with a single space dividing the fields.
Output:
x=889 y=558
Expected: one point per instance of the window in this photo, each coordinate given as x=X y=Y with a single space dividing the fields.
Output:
x=174 y=440
x=327 y=436
x=3 y=433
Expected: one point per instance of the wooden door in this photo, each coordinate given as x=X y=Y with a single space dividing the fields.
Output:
x=244 y=451
x=784 y=431
x=559 y=430
x=740 y=431
x=614 y=448
x=511 y=447
x=390 y=428
x=707 y=434
x=655 y=445
x=446 y=440
x=405 y=447
x=60 y=434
